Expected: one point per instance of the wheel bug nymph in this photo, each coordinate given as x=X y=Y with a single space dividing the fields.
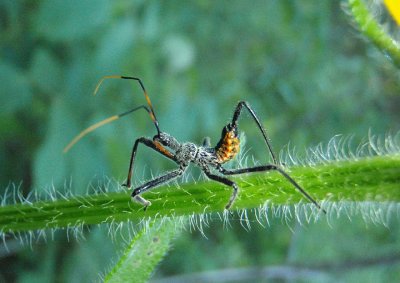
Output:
x=205 y=156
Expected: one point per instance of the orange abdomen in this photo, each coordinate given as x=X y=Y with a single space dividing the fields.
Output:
x=228 y=147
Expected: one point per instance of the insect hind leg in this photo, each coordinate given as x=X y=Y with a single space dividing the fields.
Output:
x=272 y=167
x=236 y=115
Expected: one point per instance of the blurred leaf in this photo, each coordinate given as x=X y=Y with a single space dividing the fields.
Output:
x=319 y=244
x=86 y=261
x=46 y=72
x=116 y=45
x=151 y=24
x=179 y=52
x=15 y=93
x=71 y=20
x=88 y=165
x=44 y=274
x=49 y=164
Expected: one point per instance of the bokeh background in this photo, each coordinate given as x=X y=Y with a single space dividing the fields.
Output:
x=302 y=65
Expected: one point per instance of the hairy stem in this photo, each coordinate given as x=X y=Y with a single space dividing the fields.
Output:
x=374 y=31
x=368 y=179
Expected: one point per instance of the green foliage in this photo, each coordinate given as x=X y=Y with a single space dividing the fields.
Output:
x=144 y=253
x=375 y=32
x=299 y=64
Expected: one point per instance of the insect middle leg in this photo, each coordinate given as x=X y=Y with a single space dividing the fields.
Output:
x=227 y=182
x=154 y=183
x=270 y=167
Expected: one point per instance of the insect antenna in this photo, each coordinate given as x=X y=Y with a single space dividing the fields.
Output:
x=99 y=124
x=93 y=127
x=151 y=112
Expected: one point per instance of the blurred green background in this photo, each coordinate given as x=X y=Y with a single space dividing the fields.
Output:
x=302 y=65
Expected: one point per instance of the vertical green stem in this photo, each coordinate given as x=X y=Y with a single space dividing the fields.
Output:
x=144 y=252
x=374 y=31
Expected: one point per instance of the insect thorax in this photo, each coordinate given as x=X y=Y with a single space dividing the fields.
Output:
x=186 y=153
x=201 y=156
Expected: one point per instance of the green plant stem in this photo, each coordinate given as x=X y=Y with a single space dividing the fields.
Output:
x=145 y=251
x=369 y=179
x=373 y=31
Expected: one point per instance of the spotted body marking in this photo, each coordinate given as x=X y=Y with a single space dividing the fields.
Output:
x=228 y=146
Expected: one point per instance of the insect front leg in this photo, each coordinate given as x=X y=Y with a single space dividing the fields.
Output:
x=149 y=143
x=154 y=183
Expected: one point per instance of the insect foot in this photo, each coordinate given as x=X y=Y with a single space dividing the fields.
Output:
x=141 y=200
x=233 y=196
x=126 y=185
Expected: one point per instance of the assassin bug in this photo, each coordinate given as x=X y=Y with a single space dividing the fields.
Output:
x=205 y=156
